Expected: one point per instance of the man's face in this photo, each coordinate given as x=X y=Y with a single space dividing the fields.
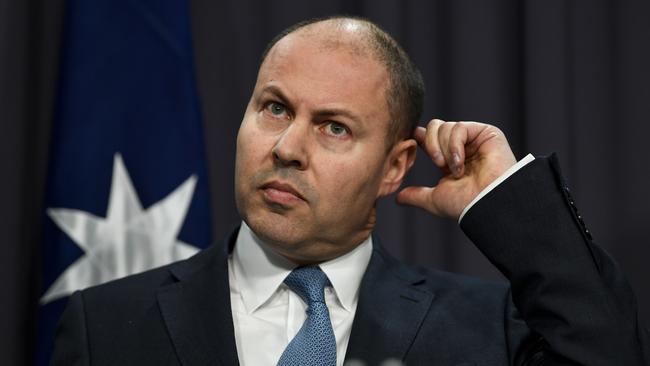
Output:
x=311 y=149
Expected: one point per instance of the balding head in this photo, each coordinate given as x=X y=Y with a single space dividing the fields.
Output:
x=405 y=91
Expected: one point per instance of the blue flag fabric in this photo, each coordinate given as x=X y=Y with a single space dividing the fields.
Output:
x=127 y=186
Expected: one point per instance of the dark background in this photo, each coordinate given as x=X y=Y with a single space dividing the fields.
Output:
x=564 y=76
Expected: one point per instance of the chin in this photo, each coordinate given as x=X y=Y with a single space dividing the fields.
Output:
x=288 y=238
x=275 y=229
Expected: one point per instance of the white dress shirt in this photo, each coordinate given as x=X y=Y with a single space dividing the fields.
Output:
x=267 y=314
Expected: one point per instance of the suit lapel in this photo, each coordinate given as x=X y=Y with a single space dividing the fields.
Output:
x=198 y=316
x=196 y=309
x=390 y=311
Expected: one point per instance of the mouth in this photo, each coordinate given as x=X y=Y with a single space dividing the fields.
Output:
x=281 y=193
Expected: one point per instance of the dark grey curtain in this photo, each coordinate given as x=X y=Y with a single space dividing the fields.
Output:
x=29 y=48
x=564 y=76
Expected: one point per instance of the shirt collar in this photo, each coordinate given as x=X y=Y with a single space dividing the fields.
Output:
x=259 y=271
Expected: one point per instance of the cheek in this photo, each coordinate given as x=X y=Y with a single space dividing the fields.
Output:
x=252 y=147
x=351 y=181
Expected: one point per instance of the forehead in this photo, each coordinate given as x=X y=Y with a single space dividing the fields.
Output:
x=331 y=68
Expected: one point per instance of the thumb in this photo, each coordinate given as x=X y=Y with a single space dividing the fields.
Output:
x=417 y=196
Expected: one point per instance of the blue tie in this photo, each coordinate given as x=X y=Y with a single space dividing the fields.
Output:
x=314 y=345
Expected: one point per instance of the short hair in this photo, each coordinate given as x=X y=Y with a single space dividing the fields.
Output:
x=405 y=93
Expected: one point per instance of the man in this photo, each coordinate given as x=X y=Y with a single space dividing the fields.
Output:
x=330 y=128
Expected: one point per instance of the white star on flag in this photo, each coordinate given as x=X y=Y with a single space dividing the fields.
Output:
x=129 y=240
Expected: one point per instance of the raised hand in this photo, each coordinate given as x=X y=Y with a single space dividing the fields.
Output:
x=471 y=156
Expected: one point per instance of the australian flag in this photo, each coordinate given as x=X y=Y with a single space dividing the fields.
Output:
x=127 y=186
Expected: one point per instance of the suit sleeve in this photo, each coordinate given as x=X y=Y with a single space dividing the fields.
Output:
x=71 y=341
x=569 y=291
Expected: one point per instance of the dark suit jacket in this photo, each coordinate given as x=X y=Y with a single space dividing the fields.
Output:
x=567 y=302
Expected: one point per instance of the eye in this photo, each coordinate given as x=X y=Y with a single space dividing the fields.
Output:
x=277 y=109
x=336 y=129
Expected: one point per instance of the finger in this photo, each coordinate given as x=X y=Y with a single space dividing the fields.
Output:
x=418 y=197
x=419 y=134
x=430 y=142
x=456 y=147
x=478 y=133
x=444 y=134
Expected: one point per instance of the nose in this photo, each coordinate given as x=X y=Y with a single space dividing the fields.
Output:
x=290 y=150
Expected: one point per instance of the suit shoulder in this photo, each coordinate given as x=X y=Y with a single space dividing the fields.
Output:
x=440 y=280
x=133 y=285
x=455 y=287
x=465 y=286
x=145 y=284
x=462 y=282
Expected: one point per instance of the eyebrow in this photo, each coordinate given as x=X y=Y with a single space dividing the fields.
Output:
x=321 y=113
x=331 y=112
x=272 y=89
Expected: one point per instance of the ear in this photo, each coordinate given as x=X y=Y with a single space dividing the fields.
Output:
x=400 y=159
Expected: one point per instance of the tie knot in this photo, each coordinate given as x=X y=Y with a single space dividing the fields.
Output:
x=308 y=282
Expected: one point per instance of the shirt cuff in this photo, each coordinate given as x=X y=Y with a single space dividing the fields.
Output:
x=520 y=164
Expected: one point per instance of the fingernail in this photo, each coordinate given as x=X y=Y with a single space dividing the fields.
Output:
x=456 y=158
x=436 y=156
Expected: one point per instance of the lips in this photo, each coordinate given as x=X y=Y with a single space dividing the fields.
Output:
x=280 y=192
